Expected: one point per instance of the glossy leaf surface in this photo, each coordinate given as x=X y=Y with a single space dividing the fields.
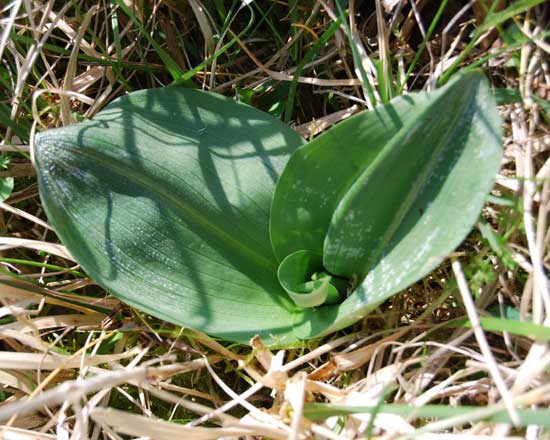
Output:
x=300 y=274
x=164 y=197
x=386 y=195
x=397 y=175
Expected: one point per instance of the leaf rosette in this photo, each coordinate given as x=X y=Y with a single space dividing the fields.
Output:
x=210 y=214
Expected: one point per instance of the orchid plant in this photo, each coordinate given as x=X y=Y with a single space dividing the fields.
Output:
x=208 y=213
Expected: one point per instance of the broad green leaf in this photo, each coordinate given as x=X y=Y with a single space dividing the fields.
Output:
x=434 y=174
x=319 y=174
x=386 y=195
x=164 y=200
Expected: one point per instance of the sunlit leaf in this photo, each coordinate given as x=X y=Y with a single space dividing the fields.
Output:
x=386 y=195
x=164 y=199
x=301 y=275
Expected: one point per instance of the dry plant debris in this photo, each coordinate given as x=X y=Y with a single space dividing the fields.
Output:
x=462 y=354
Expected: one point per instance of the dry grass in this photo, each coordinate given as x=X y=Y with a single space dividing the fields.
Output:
x=71 y=368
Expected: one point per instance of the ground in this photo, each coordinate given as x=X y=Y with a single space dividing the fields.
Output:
x=463 y=352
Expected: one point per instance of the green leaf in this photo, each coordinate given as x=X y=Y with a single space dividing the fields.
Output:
x=498 y=244
x=300 y=276
x=319 y=173
x=164 y=200
x=521 y=328
x=544 y=104
x=6 y=187
x=21 y=127
x=386 y=195
x=492 y=20
x=495 y=414
x=517 y=7
x=507 y=96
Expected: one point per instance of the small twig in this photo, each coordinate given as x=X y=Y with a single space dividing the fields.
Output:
x=74 y=390
x=482 y=341
x=256 y=413
x=8 y=25
x=25 y=215
x=227 y=406
x=295 y=394
x=11 y=148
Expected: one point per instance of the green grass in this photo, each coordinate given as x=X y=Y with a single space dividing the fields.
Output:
x=136 y=45
x=316 y=411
